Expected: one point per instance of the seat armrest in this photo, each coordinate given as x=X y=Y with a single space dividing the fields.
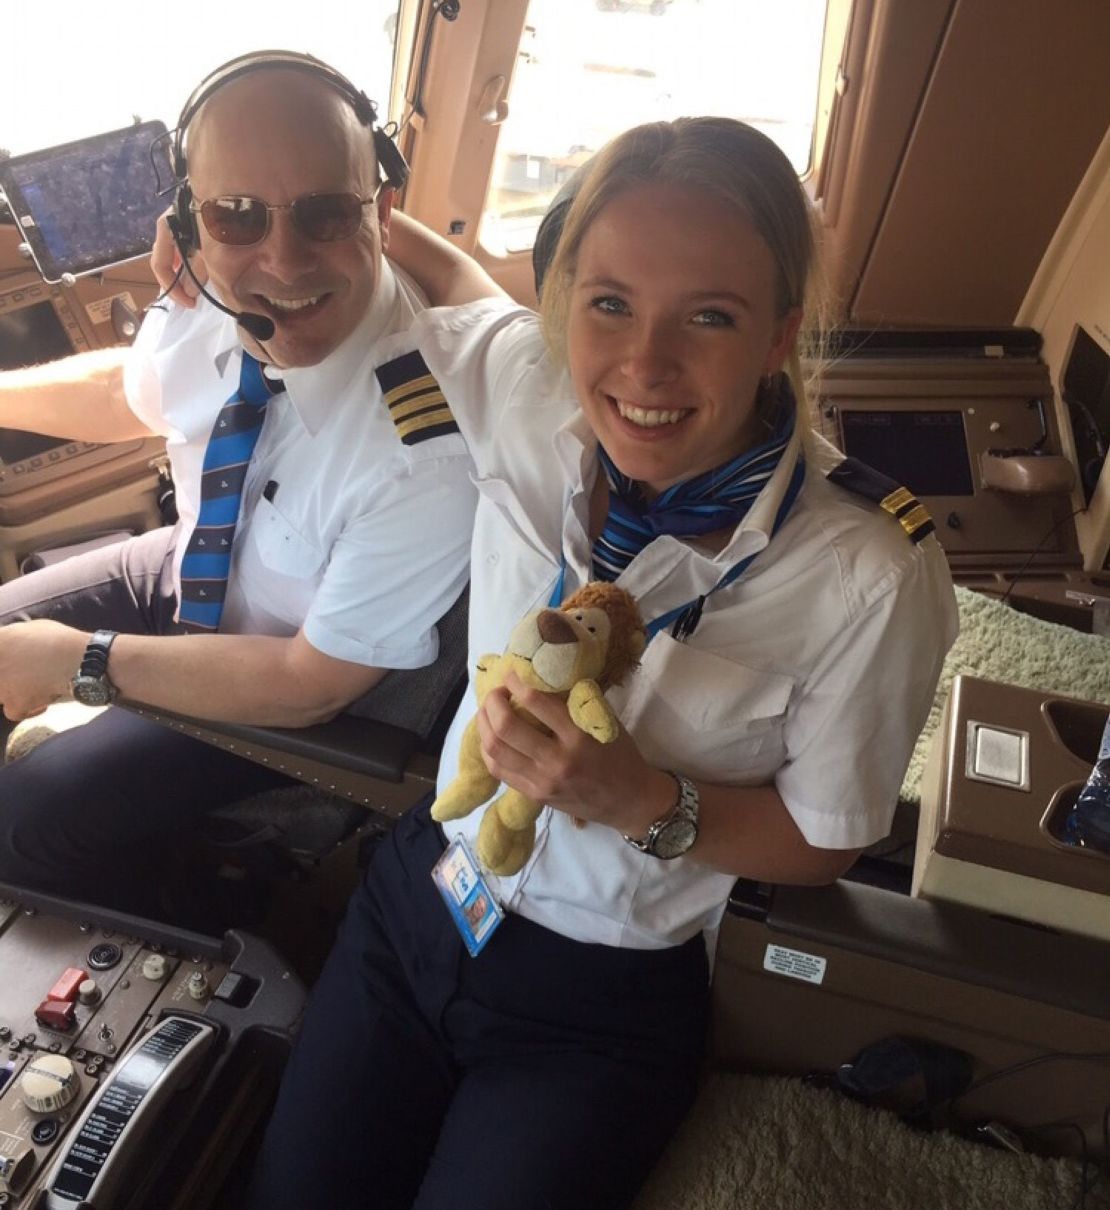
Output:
x=348 y=755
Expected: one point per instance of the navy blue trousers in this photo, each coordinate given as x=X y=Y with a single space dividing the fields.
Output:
x=88 y=813
x=544 y=1074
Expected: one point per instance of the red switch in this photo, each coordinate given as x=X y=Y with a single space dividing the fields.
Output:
x=55 y=1014
x=66 y=987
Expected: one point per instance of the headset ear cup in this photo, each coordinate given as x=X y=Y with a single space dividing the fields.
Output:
x=188 y=234
x=394 y=167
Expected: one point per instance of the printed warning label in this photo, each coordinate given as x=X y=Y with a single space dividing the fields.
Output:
x=781 y=961
x=100 y=312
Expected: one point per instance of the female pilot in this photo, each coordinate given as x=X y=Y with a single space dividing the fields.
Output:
x=649 y=428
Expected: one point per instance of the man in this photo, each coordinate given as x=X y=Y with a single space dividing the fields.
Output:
x=353 y=526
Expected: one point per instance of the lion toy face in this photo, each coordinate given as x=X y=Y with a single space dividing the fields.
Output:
x=552 y=649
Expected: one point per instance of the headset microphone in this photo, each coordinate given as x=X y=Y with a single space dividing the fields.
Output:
x=258 y=326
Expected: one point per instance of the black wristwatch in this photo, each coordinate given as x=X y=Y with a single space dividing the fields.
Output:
x=91 y=686
x=675 y=833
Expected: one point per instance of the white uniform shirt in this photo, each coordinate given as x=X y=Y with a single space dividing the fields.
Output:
x=365 y=540
x=814 y=672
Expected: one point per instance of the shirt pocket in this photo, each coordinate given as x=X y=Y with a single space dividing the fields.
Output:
x=282 y=548
x=707 y=714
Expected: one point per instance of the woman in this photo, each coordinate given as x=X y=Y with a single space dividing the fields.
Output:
x=648 y=433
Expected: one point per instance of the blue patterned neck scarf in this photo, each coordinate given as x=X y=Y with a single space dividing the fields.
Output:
x=716 y=499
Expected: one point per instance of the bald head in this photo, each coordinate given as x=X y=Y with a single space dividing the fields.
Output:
x=293 y=109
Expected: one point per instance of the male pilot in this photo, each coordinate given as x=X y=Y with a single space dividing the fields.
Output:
x=350 y=534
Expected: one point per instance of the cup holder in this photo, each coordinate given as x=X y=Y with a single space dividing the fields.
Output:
x=1079 y=728
x=1052 y=822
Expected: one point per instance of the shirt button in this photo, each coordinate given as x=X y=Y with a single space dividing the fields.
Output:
x=493 y=558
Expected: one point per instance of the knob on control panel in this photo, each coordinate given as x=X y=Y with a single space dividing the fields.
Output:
x=197 y=986
x=48 y=1083
x=154 y=968
x=17 y=1167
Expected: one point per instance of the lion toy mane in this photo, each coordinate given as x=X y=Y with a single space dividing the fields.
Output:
x=577 y=651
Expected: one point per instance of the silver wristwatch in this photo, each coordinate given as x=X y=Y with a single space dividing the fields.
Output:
x=91 y=686
x=676 y=832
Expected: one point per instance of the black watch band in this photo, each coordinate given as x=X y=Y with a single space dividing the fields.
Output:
x=91 y=685
x=94 y=663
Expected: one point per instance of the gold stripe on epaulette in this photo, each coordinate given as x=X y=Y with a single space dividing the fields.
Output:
x=441 y=415
x=410 y=388
x=912 y=521
x=418 y=404
x=897 y=499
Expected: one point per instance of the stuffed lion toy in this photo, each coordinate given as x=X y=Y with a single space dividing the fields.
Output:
x=577 y=651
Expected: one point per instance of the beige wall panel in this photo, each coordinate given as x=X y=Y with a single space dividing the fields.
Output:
x=1072 y=287
x=1012 y=115
x=890 y=50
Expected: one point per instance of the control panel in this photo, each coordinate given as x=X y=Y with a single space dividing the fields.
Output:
x=127 y=1049
x=975 y=441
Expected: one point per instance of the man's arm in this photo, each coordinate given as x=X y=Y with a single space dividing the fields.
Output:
x=79 y=397
x=279 y=682
x=447 y=276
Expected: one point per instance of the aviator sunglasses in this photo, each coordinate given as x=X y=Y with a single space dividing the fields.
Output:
x=322 y=217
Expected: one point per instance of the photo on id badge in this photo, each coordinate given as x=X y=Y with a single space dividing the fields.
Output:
x=472 y=905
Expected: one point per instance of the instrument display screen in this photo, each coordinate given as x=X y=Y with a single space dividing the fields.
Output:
x=925 y=451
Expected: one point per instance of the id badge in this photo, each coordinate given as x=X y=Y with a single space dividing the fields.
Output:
x=474 y=910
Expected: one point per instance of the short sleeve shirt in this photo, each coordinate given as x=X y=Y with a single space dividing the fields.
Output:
x=813 y=672
x=345 y=530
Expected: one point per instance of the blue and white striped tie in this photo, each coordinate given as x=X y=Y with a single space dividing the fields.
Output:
x=207 y=560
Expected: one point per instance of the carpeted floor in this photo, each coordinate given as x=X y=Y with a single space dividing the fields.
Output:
x=770 y=1143
x=997 y=643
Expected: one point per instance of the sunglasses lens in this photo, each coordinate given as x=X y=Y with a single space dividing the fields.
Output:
x=328 y=216
x=234 y=220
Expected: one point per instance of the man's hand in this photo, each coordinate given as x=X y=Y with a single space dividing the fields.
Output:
x=37 y=662
x=165 y=264
x=568 y=769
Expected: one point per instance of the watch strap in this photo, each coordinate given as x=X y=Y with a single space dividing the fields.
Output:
x=686 y=803
x=94 y=663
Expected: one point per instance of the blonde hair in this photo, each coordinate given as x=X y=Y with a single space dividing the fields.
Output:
x=731 y=161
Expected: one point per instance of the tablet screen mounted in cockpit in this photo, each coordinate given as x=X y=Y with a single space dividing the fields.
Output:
x=85 y=205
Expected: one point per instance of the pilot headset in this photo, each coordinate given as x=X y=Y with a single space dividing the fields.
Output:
x=390 y=160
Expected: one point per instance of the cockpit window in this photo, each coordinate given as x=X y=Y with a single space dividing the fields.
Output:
x=588 y=69
x=76 y=69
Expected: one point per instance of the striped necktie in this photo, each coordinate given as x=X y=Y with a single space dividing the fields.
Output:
x=207 y=560
x=716 y=499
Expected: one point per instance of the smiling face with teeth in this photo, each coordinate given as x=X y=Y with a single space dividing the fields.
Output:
x=672 y=322
x=277 y=135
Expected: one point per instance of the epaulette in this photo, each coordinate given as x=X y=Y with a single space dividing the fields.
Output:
x=416 y=404
x=903 y=506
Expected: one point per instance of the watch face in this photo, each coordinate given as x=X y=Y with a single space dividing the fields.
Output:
x=91 y=691
x=678 y=836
